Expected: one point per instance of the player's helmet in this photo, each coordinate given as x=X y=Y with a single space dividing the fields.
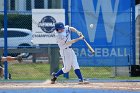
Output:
x=59 y=26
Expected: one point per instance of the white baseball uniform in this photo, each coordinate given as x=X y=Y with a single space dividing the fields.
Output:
x=66 y=52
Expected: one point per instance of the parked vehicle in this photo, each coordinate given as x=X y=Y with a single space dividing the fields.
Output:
x=17 y=38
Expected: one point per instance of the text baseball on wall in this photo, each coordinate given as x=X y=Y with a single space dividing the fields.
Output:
x=43 y=22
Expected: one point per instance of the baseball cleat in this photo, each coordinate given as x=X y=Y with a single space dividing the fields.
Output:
x=83 y=82
x=10 y=76
x=53 y=79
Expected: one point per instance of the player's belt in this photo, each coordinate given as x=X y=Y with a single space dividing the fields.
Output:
x=68 y=47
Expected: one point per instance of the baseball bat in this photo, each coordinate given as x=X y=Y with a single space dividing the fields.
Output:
x=89 y=47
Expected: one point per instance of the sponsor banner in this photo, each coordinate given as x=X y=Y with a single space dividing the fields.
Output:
x=43 y=22
x=111 y=34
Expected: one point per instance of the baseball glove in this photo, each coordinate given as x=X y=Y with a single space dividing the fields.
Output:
x=19 y=58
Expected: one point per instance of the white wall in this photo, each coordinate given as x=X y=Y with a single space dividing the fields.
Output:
x=20 y=5
x=1 y=5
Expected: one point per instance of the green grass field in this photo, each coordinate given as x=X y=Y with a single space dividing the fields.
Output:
x=41 y=71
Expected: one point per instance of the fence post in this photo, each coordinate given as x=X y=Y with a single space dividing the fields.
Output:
x=34 y=58
x=54 y=59
x=5 y=40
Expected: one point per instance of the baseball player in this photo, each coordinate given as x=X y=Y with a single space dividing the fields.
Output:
x=9 y=59
x=68 y=55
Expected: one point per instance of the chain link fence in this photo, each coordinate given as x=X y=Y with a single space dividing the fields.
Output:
x=39 y=60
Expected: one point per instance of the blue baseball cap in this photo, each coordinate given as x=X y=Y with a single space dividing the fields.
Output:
x=59 y=25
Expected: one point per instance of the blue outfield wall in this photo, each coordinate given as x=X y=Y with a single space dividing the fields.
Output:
x=112 y=36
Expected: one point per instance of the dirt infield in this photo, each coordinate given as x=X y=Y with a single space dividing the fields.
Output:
x=130 y=86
